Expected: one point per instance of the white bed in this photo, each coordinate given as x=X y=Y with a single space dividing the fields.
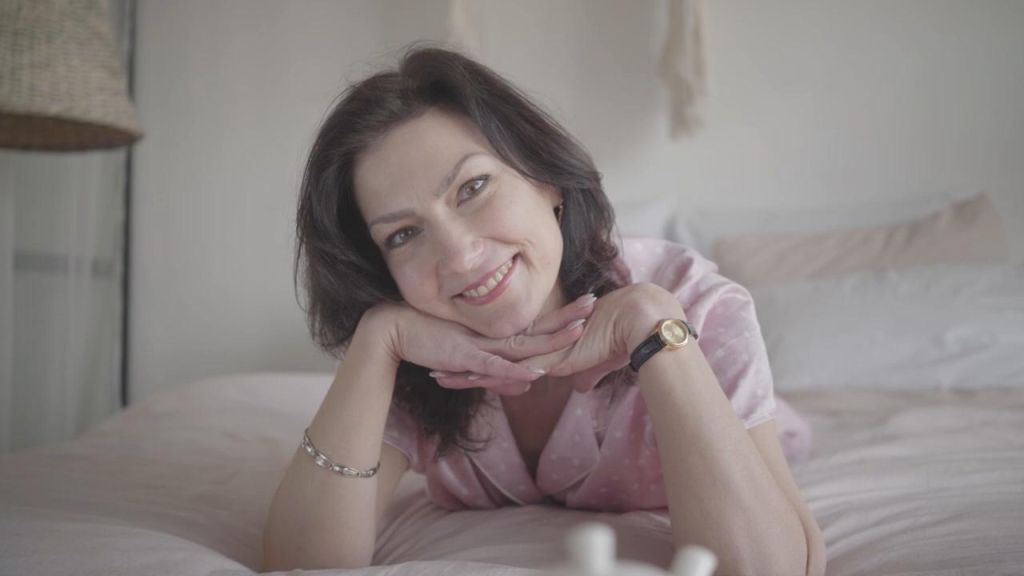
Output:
x=901 y=483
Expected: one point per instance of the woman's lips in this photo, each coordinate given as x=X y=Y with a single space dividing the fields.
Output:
x=487 y=276
x=498 y=290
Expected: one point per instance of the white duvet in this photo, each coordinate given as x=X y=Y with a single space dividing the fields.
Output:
x=901 y=483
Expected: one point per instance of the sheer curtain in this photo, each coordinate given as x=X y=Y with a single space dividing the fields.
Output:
x=62 y=222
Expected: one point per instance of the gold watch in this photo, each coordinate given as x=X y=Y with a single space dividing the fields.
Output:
x=670 y=334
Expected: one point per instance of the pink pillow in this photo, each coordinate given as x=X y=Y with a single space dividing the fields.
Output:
x=967 y=231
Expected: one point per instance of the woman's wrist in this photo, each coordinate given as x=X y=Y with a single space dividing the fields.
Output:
x=651 y=305
x=379 y=324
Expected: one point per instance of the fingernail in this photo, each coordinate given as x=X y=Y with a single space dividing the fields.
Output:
x=587 y=299
x=575 y=323
x=538 y=370
x=473 y=377
x=437 y=374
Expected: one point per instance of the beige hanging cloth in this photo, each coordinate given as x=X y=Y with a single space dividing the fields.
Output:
x=464 y=27
x=681 y=65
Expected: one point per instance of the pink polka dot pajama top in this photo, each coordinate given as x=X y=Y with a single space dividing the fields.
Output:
x=602 y=454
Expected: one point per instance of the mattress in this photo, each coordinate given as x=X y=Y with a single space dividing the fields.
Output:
x=180 y=483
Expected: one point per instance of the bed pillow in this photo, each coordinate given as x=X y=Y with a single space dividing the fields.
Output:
x=709 y=225
x=968 y=231
x=924 y=328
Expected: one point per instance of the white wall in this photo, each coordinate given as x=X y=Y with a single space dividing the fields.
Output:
x=811 y=103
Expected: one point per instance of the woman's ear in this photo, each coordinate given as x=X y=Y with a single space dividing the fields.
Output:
x=553 y=195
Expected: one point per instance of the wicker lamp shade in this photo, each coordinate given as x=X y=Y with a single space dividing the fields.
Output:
x=62 y=85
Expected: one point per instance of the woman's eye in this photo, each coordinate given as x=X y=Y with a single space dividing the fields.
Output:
x=471 y=189
x=398 y=238
x=474 y=190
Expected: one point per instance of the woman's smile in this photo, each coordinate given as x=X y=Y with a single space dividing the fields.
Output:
x=491 y=287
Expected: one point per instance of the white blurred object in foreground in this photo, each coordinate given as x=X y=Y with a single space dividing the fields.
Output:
x=591 y=548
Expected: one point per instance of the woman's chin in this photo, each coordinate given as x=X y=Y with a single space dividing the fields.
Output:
x=500 y=330
x=502 y=324
x=503 y=328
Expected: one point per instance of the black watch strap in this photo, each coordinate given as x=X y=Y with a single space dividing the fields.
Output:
x=645 y=350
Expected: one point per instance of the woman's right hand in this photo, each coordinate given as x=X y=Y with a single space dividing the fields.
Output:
x=449 y=347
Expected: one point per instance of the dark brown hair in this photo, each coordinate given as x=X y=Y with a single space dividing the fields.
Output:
x=345 y=273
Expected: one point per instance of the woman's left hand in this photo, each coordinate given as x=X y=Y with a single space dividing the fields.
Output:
x=621 y=319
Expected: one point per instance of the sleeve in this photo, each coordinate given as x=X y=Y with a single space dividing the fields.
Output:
x=730 y=337
x=723 y=314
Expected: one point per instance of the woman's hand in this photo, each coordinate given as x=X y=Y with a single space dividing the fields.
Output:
x=620 y=319
x=449 y=347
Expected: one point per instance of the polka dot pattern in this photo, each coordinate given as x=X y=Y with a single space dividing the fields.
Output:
x=604 y=457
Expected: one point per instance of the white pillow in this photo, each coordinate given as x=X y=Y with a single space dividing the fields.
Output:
x=941 y=326
x=705 y=225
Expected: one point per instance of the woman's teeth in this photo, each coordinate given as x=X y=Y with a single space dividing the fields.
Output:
x=486 y=287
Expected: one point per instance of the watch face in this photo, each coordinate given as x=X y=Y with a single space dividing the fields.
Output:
x=674 y=333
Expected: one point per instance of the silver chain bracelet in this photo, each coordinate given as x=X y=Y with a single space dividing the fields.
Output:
x=323 y=461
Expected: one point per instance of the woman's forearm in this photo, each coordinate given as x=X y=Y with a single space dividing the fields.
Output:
x=319 y=519
x=721 y=494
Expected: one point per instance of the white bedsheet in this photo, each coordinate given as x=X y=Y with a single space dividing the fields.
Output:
x=901 y=483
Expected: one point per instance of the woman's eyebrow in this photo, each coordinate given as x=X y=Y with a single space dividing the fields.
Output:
x=441 y=189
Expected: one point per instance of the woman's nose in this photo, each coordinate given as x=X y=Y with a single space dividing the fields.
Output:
x=461 y=250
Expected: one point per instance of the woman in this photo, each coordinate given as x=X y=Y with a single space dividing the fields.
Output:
x=496 y=338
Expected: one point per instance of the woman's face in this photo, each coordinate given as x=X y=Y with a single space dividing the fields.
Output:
x=452 y=220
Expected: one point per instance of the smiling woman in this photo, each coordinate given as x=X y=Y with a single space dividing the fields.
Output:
x=426 y=182
x=459 y=253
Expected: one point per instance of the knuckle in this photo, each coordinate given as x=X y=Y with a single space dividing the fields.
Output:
x=517 y=342
x=530 y=329
x=647 y=288
x=647 y=295
x=491 y=361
